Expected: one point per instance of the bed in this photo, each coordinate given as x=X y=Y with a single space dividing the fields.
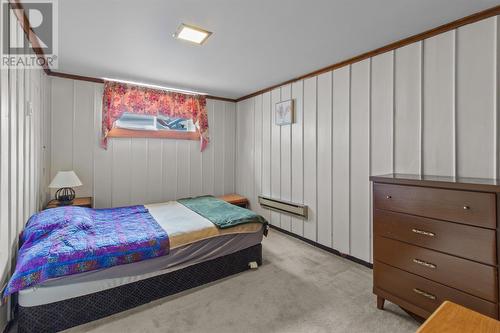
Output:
x=199 y=252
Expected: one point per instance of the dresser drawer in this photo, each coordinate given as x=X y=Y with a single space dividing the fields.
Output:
x=424 y=293
x=464 y=241
x=474 y=208
x=471 y=277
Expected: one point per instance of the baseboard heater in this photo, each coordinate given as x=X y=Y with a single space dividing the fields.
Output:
x=284 y=206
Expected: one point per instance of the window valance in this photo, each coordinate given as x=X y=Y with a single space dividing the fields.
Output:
x=120 y=98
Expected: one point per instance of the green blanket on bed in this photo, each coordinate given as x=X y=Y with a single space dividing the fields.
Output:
x=221 y=213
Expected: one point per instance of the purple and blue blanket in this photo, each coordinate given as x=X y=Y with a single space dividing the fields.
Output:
x=69 y=240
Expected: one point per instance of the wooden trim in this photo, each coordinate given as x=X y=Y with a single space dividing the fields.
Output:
x=76 y=77
x=99 y=80
x=218 y=98
x=178 y=135
x=323 y=247
x=389 y=47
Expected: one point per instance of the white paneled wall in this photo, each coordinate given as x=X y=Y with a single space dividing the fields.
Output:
x=24 y=146
x=426 y=108
x=137 y=171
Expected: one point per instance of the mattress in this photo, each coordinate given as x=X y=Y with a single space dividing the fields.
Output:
x=193 y=239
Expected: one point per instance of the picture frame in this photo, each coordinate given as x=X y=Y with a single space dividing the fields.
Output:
x=284 y=113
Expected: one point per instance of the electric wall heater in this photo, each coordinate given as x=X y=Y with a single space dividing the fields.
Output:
x=284 y=206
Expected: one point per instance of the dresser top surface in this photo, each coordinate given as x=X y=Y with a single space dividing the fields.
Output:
x=463 y=183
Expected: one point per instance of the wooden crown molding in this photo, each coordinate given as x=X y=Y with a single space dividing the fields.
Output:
x=30 y=34
x=99 y=80
x=389 y=47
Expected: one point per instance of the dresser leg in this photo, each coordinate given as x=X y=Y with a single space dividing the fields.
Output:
x=380 y=303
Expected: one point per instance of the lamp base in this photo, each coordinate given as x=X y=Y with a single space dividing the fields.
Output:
x=65 y=196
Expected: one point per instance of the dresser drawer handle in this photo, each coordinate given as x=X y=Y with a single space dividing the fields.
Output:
x=424 y=263
x=422 y=232
x=423 y=293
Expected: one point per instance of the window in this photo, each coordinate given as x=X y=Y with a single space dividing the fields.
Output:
x=135 y=111
x=143 y=122
x=131 y=125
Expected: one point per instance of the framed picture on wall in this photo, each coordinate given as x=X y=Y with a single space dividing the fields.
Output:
x=283 y=113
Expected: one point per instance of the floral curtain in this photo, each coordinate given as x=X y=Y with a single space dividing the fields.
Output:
x=120 y=97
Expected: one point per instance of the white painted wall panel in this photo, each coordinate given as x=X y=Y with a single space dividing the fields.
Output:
x=170 y=170
x=122 y=172
x=154 y=192
x=266 y=149
x=275 y=156
x=476 y=98
x=195 y=179
x=102 y=159
x=340 y=164
x=324 y=158
x=217 y=137
x=83 y=143
x=14 y=187
x=229 y=147
x=407 y=108
x=360 y=193
x=257 y=166
x=310 y=180
x=286 y=160
x=22 y=162
x=245 y=138
x=439 y=105
x=297 y=226
x=62 y=125
x=382 y=108
x=208 y=155
x=183 y=169
x=5 y=144
x=138 y=170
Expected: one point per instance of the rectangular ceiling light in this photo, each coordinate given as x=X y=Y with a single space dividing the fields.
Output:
x=192 y=34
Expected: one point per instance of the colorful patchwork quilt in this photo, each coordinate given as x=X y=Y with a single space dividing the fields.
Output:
x=69 y=240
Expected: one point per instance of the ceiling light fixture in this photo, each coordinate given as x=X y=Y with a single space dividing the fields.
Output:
x=192 y=34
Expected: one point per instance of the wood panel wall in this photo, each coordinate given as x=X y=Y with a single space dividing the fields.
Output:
x=137 y=170
x=24 y=149
x=429 y=107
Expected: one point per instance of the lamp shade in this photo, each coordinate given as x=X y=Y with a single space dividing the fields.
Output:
x=65 y=179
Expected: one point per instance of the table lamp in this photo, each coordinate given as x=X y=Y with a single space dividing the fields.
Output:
x=64 y=181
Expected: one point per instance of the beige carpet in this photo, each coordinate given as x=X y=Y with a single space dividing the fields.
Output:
x=299 y=288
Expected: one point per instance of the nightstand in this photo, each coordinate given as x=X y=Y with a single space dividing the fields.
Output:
x=80 y=202
x=235 y=199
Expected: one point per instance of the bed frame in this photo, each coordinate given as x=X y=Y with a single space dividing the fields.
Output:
x=58 y=316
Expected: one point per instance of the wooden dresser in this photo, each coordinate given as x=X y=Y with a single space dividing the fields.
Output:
x=435 y=239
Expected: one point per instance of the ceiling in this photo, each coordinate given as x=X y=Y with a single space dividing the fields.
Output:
x=255 y=44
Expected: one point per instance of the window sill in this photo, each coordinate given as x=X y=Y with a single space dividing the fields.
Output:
x=177 y=135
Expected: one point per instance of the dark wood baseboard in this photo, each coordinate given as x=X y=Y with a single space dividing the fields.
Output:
x=326 y=248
